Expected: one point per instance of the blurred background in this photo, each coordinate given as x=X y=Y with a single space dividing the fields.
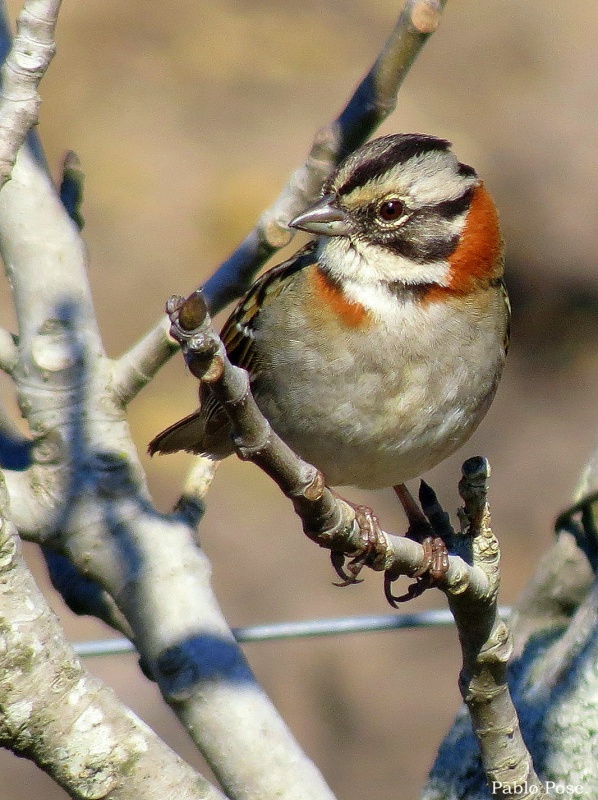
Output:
x=188 y=118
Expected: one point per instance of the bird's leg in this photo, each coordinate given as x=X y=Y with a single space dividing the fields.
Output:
x=423 y=529
x=373 y=544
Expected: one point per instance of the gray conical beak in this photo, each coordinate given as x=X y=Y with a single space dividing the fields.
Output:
x=323 y=218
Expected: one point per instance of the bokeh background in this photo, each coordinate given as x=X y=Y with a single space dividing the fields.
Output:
x=188 y=117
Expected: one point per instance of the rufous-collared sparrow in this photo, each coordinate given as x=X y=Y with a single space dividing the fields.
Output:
x=376 y=350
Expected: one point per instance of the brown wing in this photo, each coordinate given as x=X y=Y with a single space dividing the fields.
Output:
x=207 y=429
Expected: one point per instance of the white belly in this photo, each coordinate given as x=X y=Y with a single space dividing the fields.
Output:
x=388 y=406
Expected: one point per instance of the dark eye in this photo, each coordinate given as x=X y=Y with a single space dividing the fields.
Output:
x=391 y=210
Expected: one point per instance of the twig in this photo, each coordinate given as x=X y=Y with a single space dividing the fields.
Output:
x=135 y=368
x=71 y=188
x=191 y=504
x=486 y=647
x=327 y=519
x=372 y=102
x=32 y=50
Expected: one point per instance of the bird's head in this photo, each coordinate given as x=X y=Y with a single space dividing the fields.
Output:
x=403 y=209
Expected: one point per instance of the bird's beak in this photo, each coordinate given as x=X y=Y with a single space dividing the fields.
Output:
x=323 y=218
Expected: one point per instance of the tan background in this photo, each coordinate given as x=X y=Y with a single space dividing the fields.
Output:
x=187 y=118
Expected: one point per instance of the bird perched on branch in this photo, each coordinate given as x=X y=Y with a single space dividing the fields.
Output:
x=376 y=350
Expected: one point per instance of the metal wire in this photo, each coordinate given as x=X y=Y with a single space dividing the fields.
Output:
x=300 y=630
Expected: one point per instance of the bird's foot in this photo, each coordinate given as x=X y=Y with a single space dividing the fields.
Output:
x=373 y=545
x=428 y=527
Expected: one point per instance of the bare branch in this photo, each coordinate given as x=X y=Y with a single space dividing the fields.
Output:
x=135 y=368
x=486 y=645
x=32 y=50
x=67 y=722
x=327 y=519
x=197 y=484
x=85 y=494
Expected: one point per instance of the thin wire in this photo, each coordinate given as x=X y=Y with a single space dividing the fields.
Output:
x=300 y=630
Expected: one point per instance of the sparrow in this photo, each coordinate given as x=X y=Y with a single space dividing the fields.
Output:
x=376 y=350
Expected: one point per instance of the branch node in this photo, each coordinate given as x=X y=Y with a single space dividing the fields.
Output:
x=213 y=372
x=249 y=452
x=71 y=188
x=275 y=233
x=315 y=488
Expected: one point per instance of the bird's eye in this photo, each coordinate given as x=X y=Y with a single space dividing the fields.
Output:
x=391 y=210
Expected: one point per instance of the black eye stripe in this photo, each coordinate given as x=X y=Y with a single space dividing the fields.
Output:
x=445 y=211
x=453 y=208
x=428 y=252
x=448 y=209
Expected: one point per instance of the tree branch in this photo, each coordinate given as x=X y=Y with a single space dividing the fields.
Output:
x=32 y=50
x=486 y=645
x=135 y=368
x=191 y=504
x=327 y=519
x=85 y=494
x=67 y=722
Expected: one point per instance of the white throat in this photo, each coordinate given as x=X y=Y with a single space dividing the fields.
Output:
x=366 y=264
x=366 y=273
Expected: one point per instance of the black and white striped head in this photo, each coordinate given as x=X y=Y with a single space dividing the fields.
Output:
x=395 y=211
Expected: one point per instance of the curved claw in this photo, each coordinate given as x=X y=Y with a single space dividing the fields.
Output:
x=337 y=559
x=372 y=542
x=433 y=569
x=354 y=566
x=413 y=590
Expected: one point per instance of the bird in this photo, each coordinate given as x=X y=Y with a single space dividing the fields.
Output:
x=376 y=350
